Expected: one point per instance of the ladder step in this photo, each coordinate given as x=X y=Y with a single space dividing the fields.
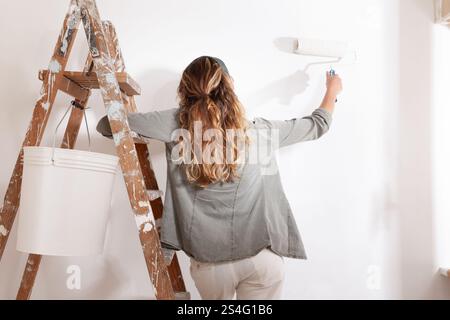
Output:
x=89 y=80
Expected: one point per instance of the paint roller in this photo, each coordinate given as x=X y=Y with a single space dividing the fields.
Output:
x=322 y=48
x=337 y=50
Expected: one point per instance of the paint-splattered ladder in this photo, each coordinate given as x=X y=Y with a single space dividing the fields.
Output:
x=105 y=70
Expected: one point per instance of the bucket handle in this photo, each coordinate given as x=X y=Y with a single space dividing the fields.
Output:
x=74 y=104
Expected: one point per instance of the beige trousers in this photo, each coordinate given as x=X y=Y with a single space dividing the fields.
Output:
x=258 y=277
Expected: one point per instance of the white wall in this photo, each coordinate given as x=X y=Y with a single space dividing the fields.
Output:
x=441 y=148
x=369 y=198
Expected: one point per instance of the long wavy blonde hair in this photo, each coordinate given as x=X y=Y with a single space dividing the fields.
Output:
x=206 y=94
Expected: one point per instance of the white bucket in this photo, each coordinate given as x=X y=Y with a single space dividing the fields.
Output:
x=65 y=201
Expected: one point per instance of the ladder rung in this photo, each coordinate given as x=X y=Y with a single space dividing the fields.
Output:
x=89 y=80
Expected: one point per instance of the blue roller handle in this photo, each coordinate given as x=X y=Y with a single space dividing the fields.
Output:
x=333 y=73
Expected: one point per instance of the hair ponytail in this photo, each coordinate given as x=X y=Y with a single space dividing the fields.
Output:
x=206 y=96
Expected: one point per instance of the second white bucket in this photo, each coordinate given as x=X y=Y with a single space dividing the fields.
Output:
x=65 y=201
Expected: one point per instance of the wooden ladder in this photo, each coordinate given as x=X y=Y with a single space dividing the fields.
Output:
x=105 y=70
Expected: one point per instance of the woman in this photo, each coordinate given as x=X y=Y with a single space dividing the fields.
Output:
x=224 y=204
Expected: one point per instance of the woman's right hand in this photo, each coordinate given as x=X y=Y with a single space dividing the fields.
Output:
x=334 y=87
x=334 y=84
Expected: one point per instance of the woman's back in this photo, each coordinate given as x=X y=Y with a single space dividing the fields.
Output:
x=210 y=223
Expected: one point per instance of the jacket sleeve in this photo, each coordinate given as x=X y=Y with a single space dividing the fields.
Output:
x=297 y=130
x=157 y=125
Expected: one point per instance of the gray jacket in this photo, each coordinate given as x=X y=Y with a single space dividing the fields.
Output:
x=230 y=221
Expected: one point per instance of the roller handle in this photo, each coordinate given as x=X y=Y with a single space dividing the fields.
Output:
x=333 y=73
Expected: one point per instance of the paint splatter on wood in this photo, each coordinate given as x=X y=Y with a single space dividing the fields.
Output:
x=29 y=276
x=144 y=159
x=3 y=230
